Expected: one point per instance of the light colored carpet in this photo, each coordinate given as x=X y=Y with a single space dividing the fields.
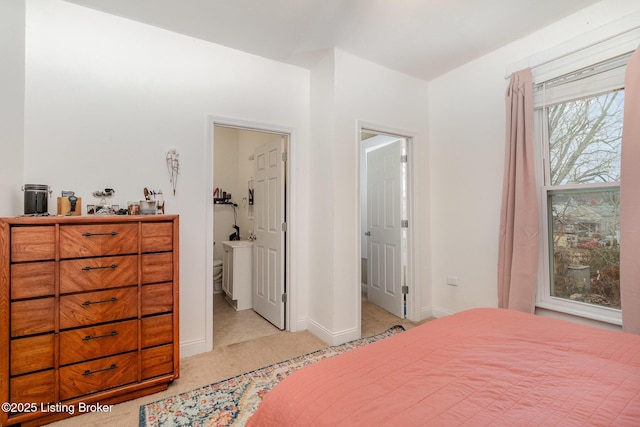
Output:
x=233 y=401
x=234 y=354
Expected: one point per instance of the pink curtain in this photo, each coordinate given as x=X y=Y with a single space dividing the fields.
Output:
x=630 y=200
x=519 y=221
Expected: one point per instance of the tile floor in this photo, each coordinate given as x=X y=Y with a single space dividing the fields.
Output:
x=231 y=326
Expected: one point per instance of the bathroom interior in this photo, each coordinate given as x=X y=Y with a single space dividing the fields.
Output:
x=233 y=225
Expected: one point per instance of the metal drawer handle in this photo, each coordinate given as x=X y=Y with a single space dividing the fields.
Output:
x=112 y=299
x=89 y=337
x=87 y=268
x=89 y=372
x=113 y=233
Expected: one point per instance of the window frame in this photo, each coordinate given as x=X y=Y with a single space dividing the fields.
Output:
x=544 y=299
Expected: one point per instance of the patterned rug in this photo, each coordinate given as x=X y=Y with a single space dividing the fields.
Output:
x=233 y=401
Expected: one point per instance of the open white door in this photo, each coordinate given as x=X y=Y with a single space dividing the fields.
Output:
x=268 y=284
x=384 y=219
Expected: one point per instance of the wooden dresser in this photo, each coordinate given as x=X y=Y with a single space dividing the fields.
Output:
x=88 y=313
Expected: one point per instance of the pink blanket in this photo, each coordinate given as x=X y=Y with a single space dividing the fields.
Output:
x=478 y=367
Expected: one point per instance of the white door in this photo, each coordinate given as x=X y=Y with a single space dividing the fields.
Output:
x=384 y=219
x=268 y=284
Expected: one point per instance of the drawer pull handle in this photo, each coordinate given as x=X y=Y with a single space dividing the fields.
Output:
x=87 y=268
x=112 y=299
x=89 y=337
x=113 y=233
x=89 y=372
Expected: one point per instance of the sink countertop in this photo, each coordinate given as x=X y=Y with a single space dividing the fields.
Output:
x=238 y=243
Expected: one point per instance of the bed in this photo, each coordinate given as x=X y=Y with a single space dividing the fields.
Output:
x=477 y=367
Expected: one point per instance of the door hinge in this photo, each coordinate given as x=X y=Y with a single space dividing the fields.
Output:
x=284 y=227
x=405 y=289
x=284 y=298
x=404 y=158
x=404 y=223
x=284 y=156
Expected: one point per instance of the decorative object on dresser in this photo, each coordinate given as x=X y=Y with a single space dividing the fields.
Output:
x=88 y=312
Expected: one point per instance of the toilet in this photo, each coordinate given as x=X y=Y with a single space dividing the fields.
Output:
x=217 y=275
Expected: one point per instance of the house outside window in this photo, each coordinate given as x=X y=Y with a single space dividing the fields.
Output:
x=579 y=128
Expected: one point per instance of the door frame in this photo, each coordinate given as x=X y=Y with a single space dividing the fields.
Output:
x=413 y=297
x=290 y=269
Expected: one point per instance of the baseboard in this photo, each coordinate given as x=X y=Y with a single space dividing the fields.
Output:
x=425 y=313
x=193 y=347
x=332 y=338
x=299 y=325
x=439 y=312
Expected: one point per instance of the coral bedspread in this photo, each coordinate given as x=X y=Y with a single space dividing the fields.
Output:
x=478 y=367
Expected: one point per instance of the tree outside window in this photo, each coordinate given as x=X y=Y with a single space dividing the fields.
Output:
x=583 y=198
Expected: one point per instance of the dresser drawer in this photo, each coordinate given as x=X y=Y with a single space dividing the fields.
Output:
x=33 y=388
x=98 y=307
x=157 y=236
x=32 y=317
x=33 y=243
x=98 y=341
x=157 y=268
x=157 y=330
x=77 y=241
x=33 y=279
x=157 y=298
x=32 y=354
x=76 y=294
x=97 y=375
x=98 y=273
x=157 y=361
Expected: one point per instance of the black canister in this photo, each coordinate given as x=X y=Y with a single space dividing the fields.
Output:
x=36 y=198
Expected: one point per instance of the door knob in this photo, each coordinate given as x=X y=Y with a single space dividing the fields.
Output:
x=368 y=233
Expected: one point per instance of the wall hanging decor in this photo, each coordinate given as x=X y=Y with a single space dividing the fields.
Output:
x=173 y=167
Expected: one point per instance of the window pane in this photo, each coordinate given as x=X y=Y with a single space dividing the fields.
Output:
x=584 y=139
x=586 y=246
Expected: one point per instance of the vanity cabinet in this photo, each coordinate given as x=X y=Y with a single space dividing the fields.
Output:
x=237 y=273
x=88 y=312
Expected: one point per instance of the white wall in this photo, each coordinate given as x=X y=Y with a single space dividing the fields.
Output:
x=319 y=181
x=467 y=122
x=225 y=178
x=346 y=92
x=12 y=28
x=106 y=97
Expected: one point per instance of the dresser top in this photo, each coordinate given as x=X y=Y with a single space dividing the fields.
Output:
x=85 y=219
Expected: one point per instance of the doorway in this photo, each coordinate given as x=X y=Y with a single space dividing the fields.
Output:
x=384 y=201
x=237 y=210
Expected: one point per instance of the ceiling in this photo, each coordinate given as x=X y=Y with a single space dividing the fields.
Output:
x=422 y=38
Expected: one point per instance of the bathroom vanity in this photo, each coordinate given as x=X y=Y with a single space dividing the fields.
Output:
x=237 y=273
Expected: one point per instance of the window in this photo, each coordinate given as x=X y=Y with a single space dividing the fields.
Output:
x=579 y=120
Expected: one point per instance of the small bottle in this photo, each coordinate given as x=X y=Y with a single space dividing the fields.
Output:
x=160 y=202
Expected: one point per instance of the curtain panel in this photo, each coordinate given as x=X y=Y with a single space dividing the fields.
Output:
x=630 y=200
x=518 y=246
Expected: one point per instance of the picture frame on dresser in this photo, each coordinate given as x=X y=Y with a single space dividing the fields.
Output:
x=89 y=312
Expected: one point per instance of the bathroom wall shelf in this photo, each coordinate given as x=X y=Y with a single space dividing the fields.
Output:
x=223 y=202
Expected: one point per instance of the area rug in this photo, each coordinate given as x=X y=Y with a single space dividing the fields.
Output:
x=234 y=400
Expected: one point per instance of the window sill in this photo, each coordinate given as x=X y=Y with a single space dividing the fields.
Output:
x=581 y=313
